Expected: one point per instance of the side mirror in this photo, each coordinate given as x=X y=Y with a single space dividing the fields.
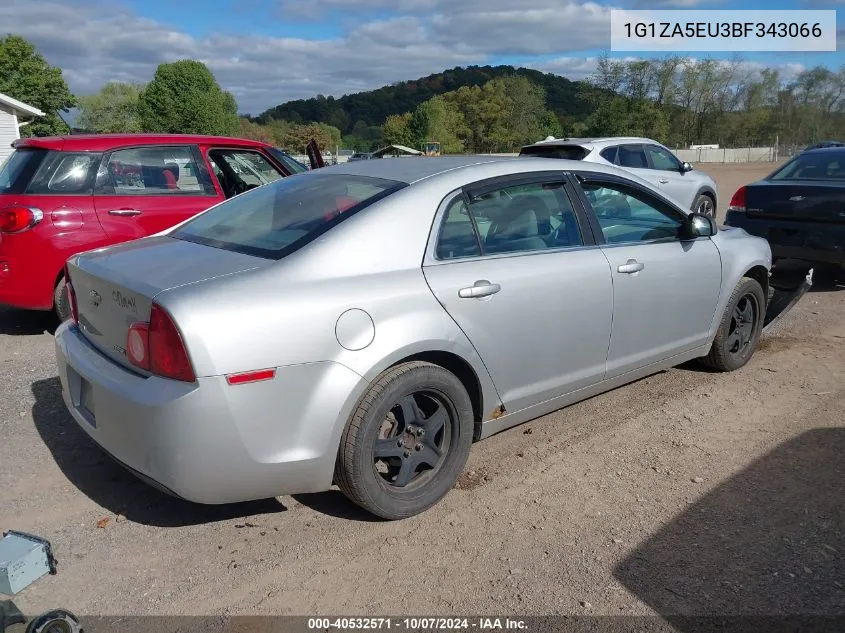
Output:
x=685 y=167
x=698 y=225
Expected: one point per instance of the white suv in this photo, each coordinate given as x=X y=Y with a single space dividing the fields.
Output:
x=647 y=159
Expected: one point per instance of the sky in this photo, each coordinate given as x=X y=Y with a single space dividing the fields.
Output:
x=267 y=52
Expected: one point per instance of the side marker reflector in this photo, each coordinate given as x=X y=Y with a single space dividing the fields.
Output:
x=251 y=376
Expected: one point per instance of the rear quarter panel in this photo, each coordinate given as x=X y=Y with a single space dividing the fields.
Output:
x=288 y=312
x=37 y=256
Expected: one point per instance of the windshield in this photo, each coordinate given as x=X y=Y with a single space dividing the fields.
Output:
x=18 y=168
x=293 y=165
x=570 y=152
x=823 y=165
x=279 y=218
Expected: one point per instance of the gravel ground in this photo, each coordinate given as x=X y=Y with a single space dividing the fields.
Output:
x=684 y=493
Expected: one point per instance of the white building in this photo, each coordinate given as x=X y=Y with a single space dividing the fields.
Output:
x=13 y=115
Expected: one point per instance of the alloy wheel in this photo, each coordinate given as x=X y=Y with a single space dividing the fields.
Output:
x=414 y=440
x=743 y=323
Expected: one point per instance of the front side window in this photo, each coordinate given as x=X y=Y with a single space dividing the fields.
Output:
x=629 y=215
x=661 y=159
x=292 y=165
x=516 y=218
x=66 y=172
x=632 y=156
x=276 y=220
x=241 y=170
x=168 y=170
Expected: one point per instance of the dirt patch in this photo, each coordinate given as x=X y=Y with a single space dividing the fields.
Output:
x=472 y=479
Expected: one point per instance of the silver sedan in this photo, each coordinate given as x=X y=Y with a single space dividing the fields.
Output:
x=363 y=324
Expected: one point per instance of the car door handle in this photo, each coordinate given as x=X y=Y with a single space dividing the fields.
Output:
x=481 y=288
x=663 y=181
x=631 y=266
x=125 y=212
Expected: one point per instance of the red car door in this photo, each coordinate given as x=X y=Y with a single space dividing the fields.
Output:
x=143 y=190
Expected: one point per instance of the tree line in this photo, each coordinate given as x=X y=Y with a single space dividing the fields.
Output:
x=680 y=102
x=674 y=100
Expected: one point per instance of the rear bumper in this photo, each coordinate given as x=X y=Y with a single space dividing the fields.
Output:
x=814 y=242
x=210 y=442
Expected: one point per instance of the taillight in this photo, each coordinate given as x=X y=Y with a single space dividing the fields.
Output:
x=738 y=201
x=157 y=347
x=16 y=218
x=71 y=297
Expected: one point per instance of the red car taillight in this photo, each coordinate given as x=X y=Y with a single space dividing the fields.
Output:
x=157 y=347
x=17 y=218
x=738 y=201
x=71 y=297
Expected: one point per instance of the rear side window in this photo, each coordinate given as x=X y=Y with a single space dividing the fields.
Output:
x=17 y=170
x=279 y=218
x=169 y=170
x=66 y=172
x=457 y=236
x=632 y=156
x=518 y=218
x=569 y=152
x=609 y=154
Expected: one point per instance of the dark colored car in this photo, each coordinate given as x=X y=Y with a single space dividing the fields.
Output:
x=799 y=209
x=63 y=195
x=823 y=144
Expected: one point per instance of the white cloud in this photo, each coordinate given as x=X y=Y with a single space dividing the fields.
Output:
x=95 y=43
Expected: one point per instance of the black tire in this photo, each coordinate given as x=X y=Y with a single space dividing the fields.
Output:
x=61 y=305
x=704 y=204
x=737 y=336
x=379 y=425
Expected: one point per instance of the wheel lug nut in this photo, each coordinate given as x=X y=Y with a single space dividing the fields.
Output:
x=418 y=447
x=400 y=443
x=407 y=453
x=421 y=432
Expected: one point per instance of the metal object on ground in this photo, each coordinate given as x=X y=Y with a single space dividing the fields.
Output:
x=57 y=621
x=785 y=290
x=24 y=558
x=9 y=615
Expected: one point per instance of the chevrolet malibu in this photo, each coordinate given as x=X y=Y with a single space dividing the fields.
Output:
x=363 y=324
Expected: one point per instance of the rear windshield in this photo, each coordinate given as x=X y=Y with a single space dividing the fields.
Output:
x=17 y=170
x=569 y=152
x=275 y=220
x=826 y=165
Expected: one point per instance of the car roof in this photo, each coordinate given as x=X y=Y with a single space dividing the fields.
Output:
x=105 y=142
x=594 y=140
x=831 y=149
x=415 y=169
x=412 y=169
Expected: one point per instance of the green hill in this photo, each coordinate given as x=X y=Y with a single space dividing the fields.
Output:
x=366 y=109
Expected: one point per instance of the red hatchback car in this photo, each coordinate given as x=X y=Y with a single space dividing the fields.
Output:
x=64 y=195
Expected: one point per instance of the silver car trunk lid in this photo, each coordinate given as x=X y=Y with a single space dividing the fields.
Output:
x=115 y=287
